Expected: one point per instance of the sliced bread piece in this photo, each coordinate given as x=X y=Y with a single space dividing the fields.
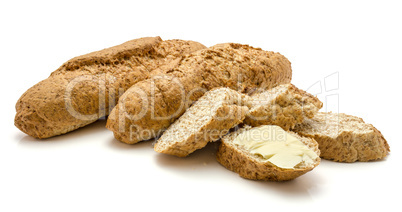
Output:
x=207 y=120
x=284 y=105
x=344 y=138
x=268 y=152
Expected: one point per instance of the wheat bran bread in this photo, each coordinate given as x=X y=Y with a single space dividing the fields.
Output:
x=344 y=138
x=251 y=166
x=87 y=87
x=210 y=118
x=151 y=106
x=284 y=105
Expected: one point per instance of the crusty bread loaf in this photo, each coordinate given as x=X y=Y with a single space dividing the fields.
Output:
x=210 y=118
x=252 y=166
x=284 y=105
x=85 y=88
x=150 y=106
x=344 y=138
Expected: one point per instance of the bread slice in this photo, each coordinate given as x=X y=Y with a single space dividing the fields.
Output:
x=253 y=166
x=284 y=105
x=344 y=138
x=207 y=120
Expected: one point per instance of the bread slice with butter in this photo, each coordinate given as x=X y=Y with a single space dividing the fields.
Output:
x=344 y=138
x=285 y=106
x=210 y=118
x=268 y=152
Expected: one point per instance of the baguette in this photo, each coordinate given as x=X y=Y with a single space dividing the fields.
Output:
x=250 y=165
x=344 y=138
x=210 y=118
x=284 y=105
x=151 y=106
x=86 y=88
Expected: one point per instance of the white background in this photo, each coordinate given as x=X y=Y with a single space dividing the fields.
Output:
x=355 y=46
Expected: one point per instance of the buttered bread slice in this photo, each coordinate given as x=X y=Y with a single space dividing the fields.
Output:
x=268 y=152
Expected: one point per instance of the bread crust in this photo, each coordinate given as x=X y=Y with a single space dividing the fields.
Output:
x=284 y=105
x=239 y=67
x=348 y=143
x=228 y=110
x=252 y=167
x=86 y=87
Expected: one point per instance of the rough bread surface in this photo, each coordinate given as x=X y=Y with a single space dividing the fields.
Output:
x=344 y=138
x=284 y=105
x=237 y=159
x=87 y=87
x=151 y=106
x=210 y=118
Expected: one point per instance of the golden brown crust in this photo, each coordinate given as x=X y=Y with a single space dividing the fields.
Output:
x=239 y=67
x=252 y=167
x=284 y=105
x=87 y=87
x=344 y=138
x=136 y=47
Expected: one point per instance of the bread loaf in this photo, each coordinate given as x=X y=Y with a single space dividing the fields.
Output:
x=284 y=105
x=253 y=165
x=150 y=106
x=86 y=88
x=210 y=118
x=344 y=138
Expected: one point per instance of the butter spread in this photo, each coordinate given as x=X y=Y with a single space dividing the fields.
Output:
x=276 y=146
